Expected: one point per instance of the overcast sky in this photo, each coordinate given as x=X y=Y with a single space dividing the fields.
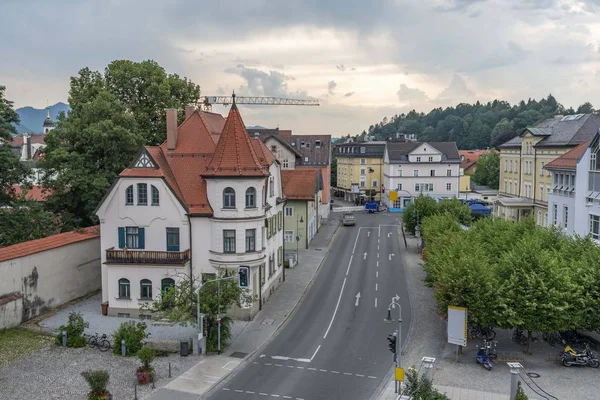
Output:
x=363 y=59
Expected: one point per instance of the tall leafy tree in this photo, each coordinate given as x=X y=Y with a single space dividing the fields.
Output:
x=488 y=170
x=84 y=154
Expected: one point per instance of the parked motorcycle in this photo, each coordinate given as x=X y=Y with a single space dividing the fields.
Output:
x=570 y=357
x=483 y=358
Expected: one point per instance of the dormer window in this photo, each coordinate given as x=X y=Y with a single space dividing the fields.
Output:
x=318 y=144
x=251 y=198
x=273 y=148
x=363 y=150
x=142 y=189
x=129 y=195
x=155 y=196
x=228 y=198
x=418 y=159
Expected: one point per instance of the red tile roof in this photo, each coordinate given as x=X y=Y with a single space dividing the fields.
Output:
x=198 y=144
x=470 y=157
x=234 y=155
x=569 y=159
x=48 y=243
x=299 y=184
x=17 y=141
x=36 y=193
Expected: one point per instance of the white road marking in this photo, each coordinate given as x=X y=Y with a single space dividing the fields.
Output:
x=323 y=370
x=368 y=233
x=315 y=353
x=356 y=241
x=286 y=397
x=268 y=364
x=283 y=358
x=299 y=398
x=379 y=234
x=377 y=247
x=300 y=367
x=278 y=365
x=375 y=301
x=362 y=376
x=312 y=369
x=365 y=256
x=357 y=299
x=226 y=389
x=377 y=255
x=263 y=394
x=376 y=274
x=395 y=299
x=290 y=366
x=349 y=264
x=306 y=360
x=239 y=391
x=378 y=240
x=255 y=362
x=391 y=255
x=371 y=377
x=376 y=286
x=280 y=358
x=261 y=356
x=335 y=372
x=249 y=392
x=389 y=234
x=336 y=308
x=274 y=395
x=347 y=373
x=378 y=263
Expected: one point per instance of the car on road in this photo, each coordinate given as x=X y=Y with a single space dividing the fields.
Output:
x=348 y=219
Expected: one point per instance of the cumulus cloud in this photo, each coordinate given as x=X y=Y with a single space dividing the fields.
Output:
x=409 y=95
x=331 y=87
x=261 y=83
x=348 y=94
x=456 y=92
x=340 y=67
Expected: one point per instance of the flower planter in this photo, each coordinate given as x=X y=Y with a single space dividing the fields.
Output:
x=100 y=396
x=144 y=375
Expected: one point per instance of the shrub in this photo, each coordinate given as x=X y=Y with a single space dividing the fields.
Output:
x=146 y=356
x=98 y=380
x=133 y=333
x=419 y=387
x=74 y=328
x=521 y=394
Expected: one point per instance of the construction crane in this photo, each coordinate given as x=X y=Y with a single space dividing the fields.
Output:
x=208 y=101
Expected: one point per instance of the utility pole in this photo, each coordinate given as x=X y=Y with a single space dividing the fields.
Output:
x=199 y=319
x=388 y=320
x=514 y=379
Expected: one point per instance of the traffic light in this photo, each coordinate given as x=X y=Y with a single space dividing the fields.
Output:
x=244 y=272
x=392 y=342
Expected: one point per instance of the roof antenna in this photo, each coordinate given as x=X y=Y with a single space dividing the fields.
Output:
x=233 y=106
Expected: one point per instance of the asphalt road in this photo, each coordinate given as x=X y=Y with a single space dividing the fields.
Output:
x=335 y=346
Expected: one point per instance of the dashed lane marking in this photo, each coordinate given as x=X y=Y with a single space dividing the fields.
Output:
x=249 y=392
x=274 y=395
x=362 y=376
x=239 y=391
x=286 y=397
x=335 y=372
x=371 y=377
x=263 y=394
x=278 y=365
x=347 y=373
x=226 y=389
x=318 y=370
x=312 y=369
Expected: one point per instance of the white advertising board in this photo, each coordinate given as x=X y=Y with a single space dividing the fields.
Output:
x=355 y=188
x=457 y=325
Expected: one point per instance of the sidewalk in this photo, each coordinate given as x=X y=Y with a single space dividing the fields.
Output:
x=212 y=369
x=426 y=337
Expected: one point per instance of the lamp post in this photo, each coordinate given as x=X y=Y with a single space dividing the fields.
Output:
x=298 y=236
x=371 y=170
x=389 y=320
x=219 y=309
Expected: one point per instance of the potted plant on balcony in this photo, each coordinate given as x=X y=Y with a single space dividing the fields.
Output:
x=98 y=380
x=145 y=373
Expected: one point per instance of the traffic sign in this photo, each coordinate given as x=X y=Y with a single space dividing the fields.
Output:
x=399 y=374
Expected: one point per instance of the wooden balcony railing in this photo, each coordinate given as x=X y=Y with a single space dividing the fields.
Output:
x=114 y=256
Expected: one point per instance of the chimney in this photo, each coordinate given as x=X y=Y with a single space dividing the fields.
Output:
x=28 y=144
x=189 y=110
x=171 y=128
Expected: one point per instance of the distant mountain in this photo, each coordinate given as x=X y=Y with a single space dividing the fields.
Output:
x=255 y=127
x=32 y=119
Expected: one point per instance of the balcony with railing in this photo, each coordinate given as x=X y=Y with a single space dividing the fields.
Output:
x=117 y=256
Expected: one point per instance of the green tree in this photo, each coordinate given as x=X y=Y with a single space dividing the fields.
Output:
x=26 y=220
x=420 y=208
x=333 y=172
x=84 y=155
x=179 y=304
x=488 y=170
x=461 y=212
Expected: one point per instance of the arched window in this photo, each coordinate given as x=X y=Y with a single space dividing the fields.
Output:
x=146 y=289
x=167 y=283
x=251 y=197
x=124 y=289
x=228 y=198
x=129 y=196
x=155 y=196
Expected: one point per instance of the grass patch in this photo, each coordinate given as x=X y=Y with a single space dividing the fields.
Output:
x=17 y=343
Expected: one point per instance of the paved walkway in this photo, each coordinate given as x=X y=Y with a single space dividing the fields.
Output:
x=211 y=369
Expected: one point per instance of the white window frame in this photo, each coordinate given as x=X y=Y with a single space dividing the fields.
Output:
x=285 y=163
x=286 y=236
x=449 y=186
x=432 y=172
x=363 y=150
x=363 y=171
x=415 y=172
x=448 y=172
x=363 y=161
x=565 y=216
x=418 y=159
x=430 y=159
x=594 y=218
x=554 y=213
x=289 y=211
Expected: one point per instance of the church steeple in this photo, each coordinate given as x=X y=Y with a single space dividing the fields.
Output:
x=48 y=123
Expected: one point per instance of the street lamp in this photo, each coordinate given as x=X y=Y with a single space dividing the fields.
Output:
x=371 y=170
x=389 y=320
x=298 y=236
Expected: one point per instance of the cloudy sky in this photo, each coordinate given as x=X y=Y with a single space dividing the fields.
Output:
x=362 y=59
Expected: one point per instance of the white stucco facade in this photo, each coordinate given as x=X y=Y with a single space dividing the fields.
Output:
x=286 y=157
x=424 y=173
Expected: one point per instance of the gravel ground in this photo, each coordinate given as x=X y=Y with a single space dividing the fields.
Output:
x=428 y=339
x=55 y=373
x=90 y=309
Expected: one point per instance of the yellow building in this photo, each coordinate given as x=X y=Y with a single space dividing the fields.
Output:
x=359 y=168
x=524 y=183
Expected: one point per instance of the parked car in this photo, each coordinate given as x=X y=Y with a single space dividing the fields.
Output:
x=348 y=219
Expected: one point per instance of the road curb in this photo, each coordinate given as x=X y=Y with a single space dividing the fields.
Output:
x=250 y=357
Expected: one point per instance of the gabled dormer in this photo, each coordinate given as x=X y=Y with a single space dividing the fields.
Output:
x=424 y=153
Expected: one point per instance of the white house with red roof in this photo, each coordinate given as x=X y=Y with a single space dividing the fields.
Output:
x=209 y=198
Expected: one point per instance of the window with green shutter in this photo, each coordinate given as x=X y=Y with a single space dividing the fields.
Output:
x=268 y=221
x=280 y=220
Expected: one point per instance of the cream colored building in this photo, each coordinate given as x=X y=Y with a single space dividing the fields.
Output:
x=524 y=183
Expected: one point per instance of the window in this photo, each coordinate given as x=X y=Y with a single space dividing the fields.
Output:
x=593 y=161
x=285 y=163
x=172 y=239
x=124 y=289
x=250 y=240
x=505 y=186
x=505 y=165
x=565 y=216
x=273 y=148
x=542 y=169
x=145 y=289
x=448 y=172
x=272 y=186
x=448 y=186
x=418 y=159
x=251 y=198
x=318 y=144
x=142 y=189
x=510 y=166
x=362 y=171
x=430 y=159
x=415 y=172
x=362 y=184
x=374 y=184
x=288 y=236
x=289 y=211
x=554 y=214
x=542 y=192
x=129 y=196
x=539 y=218
x=363 y=161
x=228 y=241
x=155 y=200
x=132 y=237
x=166 y=284
x=399 y=186
x=363 y=150
x=305 y=159
x=302 y=144
x=572 y=181
x=228 y=198
x=432 y=172
x=595 y=226
x=399 y=172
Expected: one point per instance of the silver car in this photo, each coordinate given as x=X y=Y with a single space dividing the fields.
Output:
x=348 y=219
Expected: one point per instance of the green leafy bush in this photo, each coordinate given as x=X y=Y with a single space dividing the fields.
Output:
x=133 y=333
x=420 y=388
x=521 y=394
x=146 y=356
x=98 y=381
x=74 y=328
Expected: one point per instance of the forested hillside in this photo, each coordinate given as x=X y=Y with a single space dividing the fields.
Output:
x=472 y=126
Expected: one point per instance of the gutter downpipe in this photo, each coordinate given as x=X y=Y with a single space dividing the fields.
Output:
x=283 y=255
